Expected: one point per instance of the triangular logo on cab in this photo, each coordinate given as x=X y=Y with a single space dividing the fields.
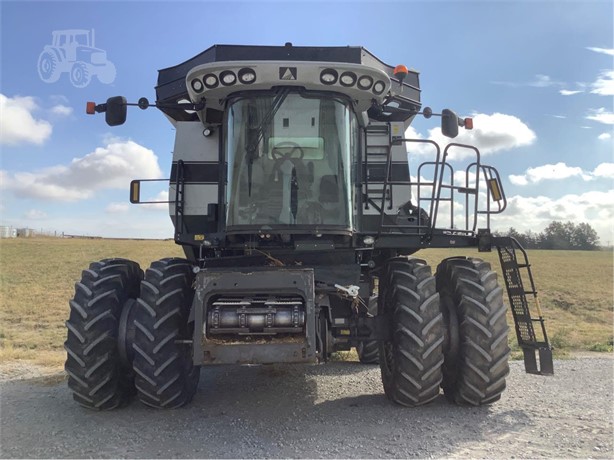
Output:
x=287 y=73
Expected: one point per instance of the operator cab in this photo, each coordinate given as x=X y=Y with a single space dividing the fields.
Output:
x=290 y=141
x=291 y=159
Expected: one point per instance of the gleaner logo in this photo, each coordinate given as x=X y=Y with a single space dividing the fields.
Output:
x=287 y=73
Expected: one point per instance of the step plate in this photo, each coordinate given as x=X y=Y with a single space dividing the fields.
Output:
x=545 y=366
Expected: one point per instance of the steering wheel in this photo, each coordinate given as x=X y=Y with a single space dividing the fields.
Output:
x=277 y=155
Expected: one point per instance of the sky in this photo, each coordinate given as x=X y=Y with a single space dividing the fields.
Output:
x=538 y=78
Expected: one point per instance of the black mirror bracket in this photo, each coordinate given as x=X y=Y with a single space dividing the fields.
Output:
x=450 y=122
x=115 y=108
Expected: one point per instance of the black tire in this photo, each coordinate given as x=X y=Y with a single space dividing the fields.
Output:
x=96 y=375
x=476 y=349
x=165 y=376
x=411 y=361
x=368 y=352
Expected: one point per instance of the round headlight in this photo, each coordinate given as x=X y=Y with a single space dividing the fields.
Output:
x=368 y=240
x=228 y=78
x=329 y=76
x=247 y=76
x=197 y=85
x=210 y=80
x=348 y=79
x=379 y=87
x=365 y=82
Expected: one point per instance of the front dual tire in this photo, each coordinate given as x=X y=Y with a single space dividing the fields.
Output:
x=127 y=334
x=447 y=331
x=96 y=375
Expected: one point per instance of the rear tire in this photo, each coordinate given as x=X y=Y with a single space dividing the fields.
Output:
x=368 y=352
x=165 y=375
x=476 y=349
x=411 y=361
x=96 y=375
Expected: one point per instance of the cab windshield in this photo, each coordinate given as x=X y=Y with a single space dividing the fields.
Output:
x=290 y=161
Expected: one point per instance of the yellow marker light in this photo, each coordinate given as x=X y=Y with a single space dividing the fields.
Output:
x=495 y=191
x=199 y=237
x=135 y=191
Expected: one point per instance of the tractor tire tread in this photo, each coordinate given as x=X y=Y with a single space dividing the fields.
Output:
x=411 y=362
x=95 y=374
x=478 y=376
x=368 y=352
x=165 y=376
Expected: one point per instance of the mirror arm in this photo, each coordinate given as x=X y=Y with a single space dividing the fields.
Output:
x=143 y=104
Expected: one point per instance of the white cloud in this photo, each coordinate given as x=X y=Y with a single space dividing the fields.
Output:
x=559 y=116
x=601 y=115
x=604 y=170
x=61 y=110
x=560 y=171
x=518 y=179
x=535 y=213
x=543 y=81
x=540 y=81
x=556 y=171
x=117 y=208
x=491 y=134
x=35 y=214
x=162 y=196
x=608 y=51
x=604 y=85
x=112 y=166
x=604 y=136
x=568 y=92
x=18 y=124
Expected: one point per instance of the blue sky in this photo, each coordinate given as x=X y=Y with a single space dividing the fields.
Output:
x=537 y=76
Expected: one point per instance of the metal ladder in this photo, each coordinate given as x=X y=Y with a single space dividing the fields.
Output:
x=532 y=346
x=377 y=157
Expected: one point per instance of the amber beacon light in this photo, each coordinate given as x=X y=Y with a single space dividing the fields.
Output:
x=400 y=72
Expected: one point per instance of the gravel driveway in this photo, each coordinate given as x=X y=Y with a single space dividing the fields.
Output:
x=333 y=410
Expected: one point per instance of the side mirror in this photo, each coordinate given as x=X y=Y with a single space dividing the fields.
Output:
x=116 y=111
x=449 y=123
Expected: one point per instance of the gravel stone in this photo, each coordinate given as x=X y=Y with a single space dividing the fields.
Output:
x=336 y=410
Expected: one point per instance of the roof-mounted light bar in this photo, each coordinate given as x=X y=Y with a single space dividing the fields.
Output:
x=216 y=81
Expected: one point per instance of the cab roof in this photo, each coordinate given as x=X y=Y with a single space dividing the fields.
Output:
x=171 y=85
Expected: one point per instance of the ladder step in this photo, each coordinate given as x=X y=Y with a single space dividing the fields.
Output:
x=545 y=365
x=523 y=320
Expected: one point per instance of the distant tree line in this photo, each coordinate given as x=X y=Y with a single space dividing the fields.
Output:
x=557 y=235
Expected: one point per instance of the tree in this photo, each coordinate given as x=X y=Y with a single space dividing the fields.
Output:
x=585 y=237
x=557 y=235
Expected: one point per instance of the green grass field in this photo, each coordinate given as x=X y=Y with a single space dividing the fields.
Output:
x=37 y=278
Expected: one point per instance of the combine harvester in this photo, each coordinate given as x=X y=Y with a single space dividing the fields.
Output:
x=291 y=195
